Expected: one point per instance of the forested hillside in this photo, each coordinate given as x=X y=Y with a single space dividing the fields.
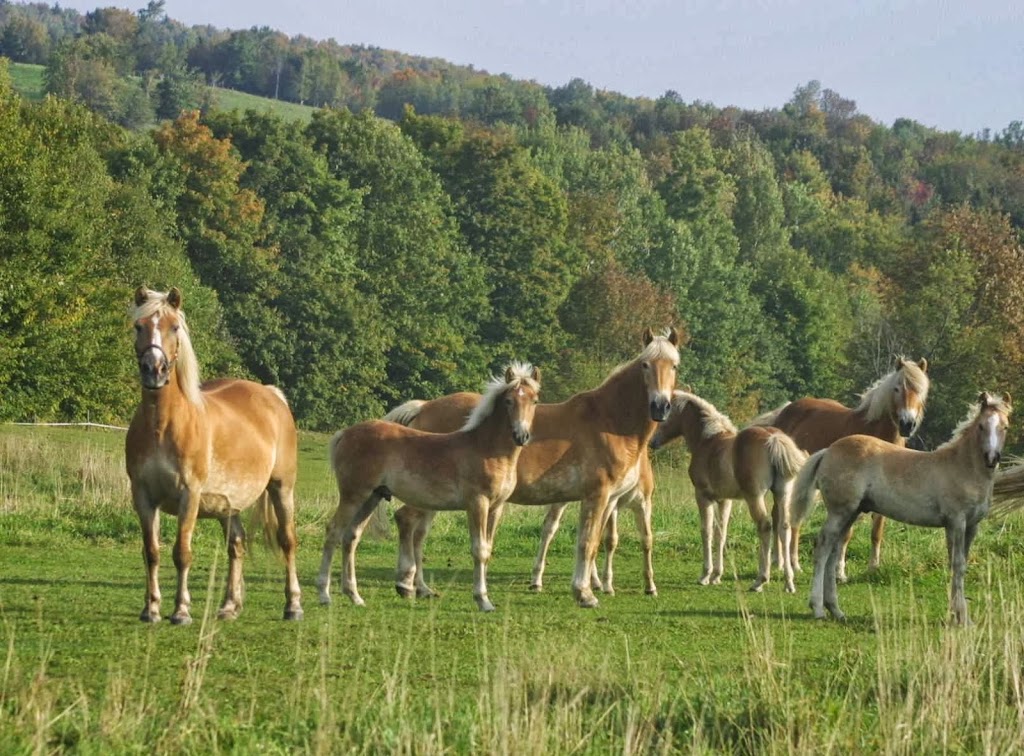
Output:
x=434 y=221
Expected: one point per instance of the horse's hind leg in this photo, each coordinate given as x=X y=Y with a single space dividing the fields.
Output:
x=759 y=513
x=234 y=538
x=282 y=497
x=337 y=529
x=552 y=520
x=782 y=492
x=877 y=531
x=824 y=562
x=844 y=521
x=641 y=507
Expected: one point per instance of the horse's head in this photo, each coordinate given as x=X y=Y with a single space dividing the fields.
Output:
x=909 y=394
x=671 y=427
x=158 y=322
x=520 y=398
x=658 y=363
x=990 y=426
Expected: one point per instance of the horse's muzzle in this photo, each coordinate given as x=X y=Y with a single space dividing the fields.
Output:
x=660 y=408
x=521 y=437
x=992 y=459
x=154 y=370
x=907 y=428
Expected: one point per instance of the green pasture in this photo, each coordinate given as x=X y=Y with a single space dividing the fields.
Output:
x=696 y=669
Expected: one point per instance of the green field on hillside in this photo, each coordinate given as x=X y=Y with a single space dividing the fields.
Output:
x=694 y=669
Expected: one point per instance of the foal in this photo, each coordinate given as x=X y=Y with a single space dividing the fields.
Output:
x=473 y=469
x=949 y=488
x=725 y=465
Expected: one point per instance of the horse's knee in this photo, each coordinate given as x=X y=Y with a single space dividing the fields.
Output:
x=481 y=552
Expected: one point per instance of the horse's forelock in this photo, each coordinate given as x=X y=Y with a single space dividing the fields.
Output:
x=915 y=378
x=660 y=348
x=521 y=374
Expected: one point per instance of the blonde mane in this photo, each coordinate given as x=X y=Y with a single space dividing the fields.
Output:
x=874 y=402
x=713 y=422
x=660 y=348
x=996 y=401
x=522 y=373
x=186 y=367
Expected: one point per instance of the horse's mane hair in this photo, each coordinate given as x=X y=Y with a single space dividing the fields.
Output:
x=875 y=401
x=714 y=423
x=522 y=373
x=187 y=367
x=660 y=348
x=996 y=400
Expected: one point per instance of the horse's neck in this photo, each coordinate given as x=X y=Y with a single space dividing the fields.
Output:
x=168 y=408
x=623 y=401
x=884 y=427
x=693 y=428
x=493 y=437
x=966 y=455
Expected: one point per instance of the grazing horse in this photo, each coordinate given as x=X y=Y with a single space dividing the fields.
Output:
x=589 y=448
x=949 y=488
x=205 y=450
x=447 y=413
x=892 y=408
x=726 y=464
x=473 y=469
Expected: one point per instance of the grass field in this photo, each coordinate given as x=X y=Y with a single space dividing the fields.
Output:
x=28 y=82
x=696 y=669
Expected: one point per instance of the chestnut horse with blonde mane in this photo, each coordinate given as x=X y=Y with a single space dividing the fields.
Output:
x=590 y=448
x=949 y=488
x=473 y=469
x=205 y=450
x=891 y=409
x=727 y=464
x=447 y=413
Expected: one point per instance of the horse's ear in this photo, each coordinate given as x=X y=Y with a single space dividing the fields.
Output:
x=673 y=337
x=648 y=336
x=1007 y=401
x=509 y=375
x=897 y=362
x=174 y=297
x=688 y=388
x=923 y=364
x=984 y=399
x=141 y=295
x=536 y=374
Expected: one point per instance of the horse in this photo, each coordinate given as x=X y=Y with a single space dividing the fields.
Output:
x=949 y=488
x=473 y=469
x=893 y=407
x=589 y=448
x=445 y=414
x=726 y=464
x=205 y=450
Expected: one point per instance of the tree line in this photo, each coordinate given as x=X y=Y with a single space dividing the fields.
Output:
x=358 y=261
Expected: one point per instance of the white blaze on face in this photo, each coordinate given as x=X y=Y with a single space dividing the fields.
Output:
x=157 y=338
x=991 y=442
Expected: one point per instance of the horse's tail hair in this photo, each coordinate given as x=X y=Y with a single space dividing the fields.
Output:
x=1008 y=490
x=805 y=488
x=379 y=523
x=404 y=414
x=787 y=458
x=264 y=516
x=768 y=418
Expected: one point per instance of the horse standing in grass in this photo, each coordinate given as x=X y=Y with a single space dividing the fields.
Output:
x=472 y=469
x=447 y=413
x=589 y=448
x=205 y=450
x=892 y=408
x=949 y=488
x=726 y=464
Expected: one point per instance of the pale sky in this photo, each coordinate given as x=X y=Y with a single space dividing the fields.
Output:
x=954 y=66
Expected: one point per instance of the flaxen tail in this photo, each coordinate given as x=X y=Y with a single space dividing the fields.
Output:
x=787 y=458
x=265 y=516
x=404 y=414
x=768 y=418
x=805 y=488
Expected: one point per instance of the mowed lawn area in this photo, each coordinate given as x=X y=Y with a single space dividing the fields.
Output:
x=694 y=669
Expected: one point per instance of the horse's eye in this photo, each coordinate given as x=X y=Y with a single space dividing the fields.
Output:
x=175 y=327
x=138 y=328
x=645 y=365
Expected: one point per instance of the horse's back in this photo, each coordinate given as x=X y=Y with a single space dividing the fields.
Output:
x=816 y=423
x=246 y=416
x=446 y=414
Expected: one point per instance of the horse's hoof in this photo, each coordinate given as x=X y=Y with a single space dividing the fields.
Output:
x=293 y=614
x=485 y=605
x=536 y=587
x=790 y=588
x=609 y=591
x=587 y=602
x=651 y=591
x=181 y=619
x=150 y=617
x=427 y=593
x=842 y=579
x=228 y=614
x=404 y=592
x=705 y=580
x=757 y=588
x=717 y=580
x=325 y=599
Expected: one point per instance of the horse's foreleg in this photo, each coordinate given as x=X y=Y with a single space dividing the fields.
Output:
x=234 y=539
x=611 y=542
x=763 y=522
x=149 y=520
x=641 y=507
x=480 y=546
x=721 y=535
x=956 y=544
x=877 y=531
x=705 y=508
x=592 y=514
x=552 y=520
x=188 y=512
x=282 y=498
x=794 y=548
